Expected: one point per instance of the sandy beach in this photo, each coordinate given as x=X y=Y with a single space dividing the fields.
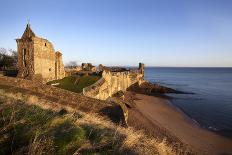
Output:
x=161 y=113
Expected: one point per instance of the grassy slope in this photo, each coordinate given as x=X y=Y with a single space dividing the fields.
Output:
x=76 y=83
x=29 y=129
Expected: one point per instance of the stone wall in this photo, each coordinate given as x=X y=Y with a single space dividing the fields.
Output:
x=88 y=67
x=72 y=70
x=25 y=58
x=112 y=82
x=59 y=66
x=44 y=59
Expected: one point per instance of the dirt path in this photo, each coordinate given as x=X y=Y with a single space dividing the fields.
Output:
x=160 y=112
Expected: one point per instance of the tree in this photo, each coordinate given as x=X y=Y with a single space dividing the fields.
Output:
x=3 y=52
x=14 y=55
x=71 y=64
x=8 y=58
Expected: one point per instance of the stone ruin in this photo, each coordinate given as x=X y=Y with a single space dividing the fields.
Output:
x=88 y=67
x=84 y=69
x=72 y=70
x=37 y=59
x=112 y=69
x=114 y=79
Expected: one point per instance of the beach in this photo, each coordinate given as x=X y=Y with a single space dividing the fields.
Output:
x=161 y=113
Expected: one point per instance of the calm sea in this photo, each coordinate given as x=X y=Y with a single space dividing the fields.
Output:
x=211 y=103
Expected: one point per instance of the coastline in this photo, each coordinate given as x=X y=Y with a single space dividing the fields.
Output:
x=163 y=113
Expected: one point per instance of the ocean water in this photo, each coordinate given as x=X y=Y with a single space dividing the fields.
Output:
x=210 y=105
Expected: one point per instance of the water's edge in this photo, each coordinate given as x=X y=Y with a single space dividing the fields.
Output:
x=210 y=105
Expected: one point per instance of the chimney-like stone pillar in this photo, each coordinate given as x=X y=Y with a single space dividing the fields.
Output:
x=141 y=68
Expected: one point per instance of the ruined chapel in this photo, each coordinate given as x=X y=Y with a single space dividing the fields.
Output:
x=37 y=59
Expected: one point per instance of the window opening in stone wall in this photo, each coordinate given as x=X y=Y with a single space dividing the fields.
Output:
x=24 y=57
x=45 y=44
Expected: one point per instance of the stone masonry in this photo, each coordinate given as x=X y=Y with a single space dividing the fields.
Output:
x=113 y=82
x=37 y=59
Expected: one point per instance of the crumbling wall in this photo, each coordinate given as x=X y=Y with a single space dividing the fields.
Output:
x=112 y=82
x=88 y=67
x=59 y=66
x=69 y=71
x=25 y=58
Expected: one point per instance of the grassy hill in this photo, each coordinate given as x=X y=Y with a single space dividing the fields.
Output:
x=30 y=125
x=30 y=129
x=41 y=119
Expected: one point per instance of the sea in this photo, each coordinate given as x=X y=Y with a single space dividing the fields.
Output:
x=209 y=98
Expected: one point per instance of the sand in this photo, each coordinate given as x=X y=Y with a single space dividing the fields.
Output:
x=160 y=112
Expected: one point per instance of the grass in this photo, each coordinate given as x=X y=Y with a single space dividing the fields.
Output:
x=20 y=124
x=76 y=83
x=36 y=127
x=29 y=129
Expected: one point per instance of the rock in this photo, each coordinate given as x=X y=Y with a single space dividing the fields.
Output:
x=153 y=89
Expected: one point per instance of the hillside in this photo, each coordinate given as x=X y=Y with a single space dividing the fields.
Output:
x=31 y=129
x=36 y=123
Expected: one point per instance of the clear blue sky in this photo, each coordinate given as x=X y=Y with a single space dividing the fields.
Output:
x=125 y=32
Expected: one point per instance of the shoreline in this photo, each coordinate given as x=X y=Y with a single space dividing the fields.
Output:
x=195 y=122
x=163 y=113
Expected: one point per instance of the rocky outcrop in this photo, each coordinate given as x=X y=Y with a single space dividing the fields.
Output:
x=153 y=89
x=123 y=107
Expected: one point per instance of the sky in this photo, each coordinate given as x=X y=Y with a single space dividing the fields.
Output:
x=175 y=33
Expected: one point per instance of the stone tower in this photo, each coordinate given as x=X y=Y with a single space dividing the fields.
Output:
x=37 y=58
x=141 y=68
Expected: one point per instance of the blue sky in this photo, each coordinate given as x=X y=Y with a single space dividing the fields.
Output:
x=126 y=32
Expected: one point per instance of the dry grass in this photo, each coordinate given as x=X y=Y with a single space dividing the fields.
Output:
x=48 y=131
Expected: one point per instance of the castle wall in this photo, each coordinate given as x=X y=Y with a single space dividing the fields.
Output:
x=44 y=59
x=59 y=66
x=25 y=63
x=112 y=82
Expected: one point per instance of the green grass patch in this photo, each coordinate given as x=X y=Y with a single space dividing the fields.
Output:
x=19 y=124
x=76 y=83
x=96 y=134
x=68 y=137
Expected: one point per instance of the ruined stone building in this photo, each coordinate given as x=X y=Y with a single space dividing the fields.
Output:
x=88 y=67
x=114 y=80
x=37 y=59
